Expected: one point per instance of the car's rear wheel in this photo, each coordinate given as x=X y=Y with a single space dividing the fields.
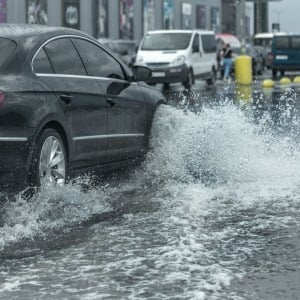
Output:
x=49 y=163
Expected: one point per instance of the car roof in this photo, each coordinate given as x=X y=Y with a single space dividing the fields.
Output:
x=28 y=39
x=23 y=31
x=287 y=35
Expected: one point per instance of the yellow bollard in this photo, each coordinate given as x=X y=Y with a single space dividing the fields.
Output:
x=296 y=82
x=285 y=80
x=296 y=79
x=243 y=69
x=268 y=83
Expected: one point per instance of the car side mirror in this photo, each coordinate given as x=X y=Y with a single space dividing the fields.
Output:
x=141 y=73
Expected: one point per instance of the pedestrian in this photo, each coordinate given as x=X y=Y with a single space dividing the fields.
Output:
x=227 y=60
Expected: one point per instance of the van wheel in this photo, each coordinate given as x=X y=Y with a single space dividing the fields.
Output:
x=189 y=80
x=213 y=77
x=166 y=86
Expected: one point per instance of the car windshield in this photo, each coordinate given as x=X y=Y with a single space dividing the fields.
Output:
x=166 y=41
x=6 y=48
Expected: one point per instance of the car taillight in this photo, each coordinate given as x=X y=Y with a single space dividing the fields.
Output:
x=1 y=98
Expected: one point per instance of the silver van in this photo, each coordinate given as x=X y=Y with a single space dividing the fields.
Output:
x=179 y=56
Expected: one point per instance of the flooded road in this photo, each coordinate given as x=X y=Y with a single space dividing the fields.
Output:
x=212 y=213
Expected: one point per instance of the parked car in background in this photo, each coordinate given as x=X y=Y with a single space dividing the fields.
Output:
x=263 y=40
x=266 y=54
x=285 y=53
x=235 y=45
x=124 y=49
x=257 y=58
x=67 y=104
x=179 y=56
x=226 y=38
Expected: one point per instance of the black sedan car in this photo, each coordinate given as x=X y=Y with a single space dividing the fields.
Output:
x=67 y=104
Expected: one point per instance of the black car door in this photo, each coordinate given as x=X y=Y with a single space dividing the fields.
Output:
x=84 y=106
x=126 y=118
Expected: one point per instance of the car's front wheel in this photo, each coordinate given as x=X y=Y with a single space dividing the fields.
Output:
x=49 y=163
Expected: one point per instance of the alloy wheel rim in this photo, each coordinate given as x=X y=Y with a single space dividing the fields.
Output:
x=52 y=166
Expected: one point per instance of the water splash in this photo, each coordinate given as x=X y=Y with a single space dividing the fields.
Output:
x=227 y=185
x=221 y=148
x=48 y=210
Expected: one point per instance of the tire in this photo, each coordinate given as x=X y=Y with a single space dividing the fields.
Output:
x=189 y=80
x=49 y=161
x=166 y=86
x=213 y=77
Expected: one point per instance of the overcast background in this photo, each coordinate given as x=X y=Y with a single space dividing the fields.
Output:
x=287 y=13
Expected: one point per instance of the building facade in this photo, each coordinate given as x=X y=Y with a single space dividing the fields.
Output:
x=115 y=18
x=236 y=19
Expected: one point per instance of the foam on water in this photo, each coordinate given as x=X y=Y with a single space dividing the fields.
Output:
x=220 y=145
x=50 y=209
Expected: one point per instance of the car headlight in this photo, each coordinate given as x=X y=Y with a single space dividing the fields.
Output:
x=179 y=60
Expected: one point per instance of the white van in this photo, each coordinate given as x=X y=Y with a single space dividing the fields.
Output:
x=179 y=56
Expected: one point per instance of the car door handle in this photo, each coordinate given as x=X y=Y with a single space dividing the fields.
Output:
x=111 y=101
x=66 y=98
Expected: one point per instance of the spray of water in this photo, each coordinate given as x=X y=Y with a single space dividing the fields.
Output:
x=219 y=145
x=48 y=210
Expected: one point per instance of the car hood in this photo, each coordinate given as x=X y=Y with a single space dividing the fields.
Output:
x=166 y=56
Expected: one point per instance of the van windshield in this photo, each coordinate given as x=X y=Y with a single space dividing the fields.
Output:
x=166 y=41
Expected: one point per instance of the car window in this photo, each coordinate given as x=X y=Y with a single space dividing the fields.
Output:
x=41 y=63
x=6 y=48
x=196 y=42
x=209 y=43
x=97 y=61
x=295 y=42
x=64 y=57
x=282 y=42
